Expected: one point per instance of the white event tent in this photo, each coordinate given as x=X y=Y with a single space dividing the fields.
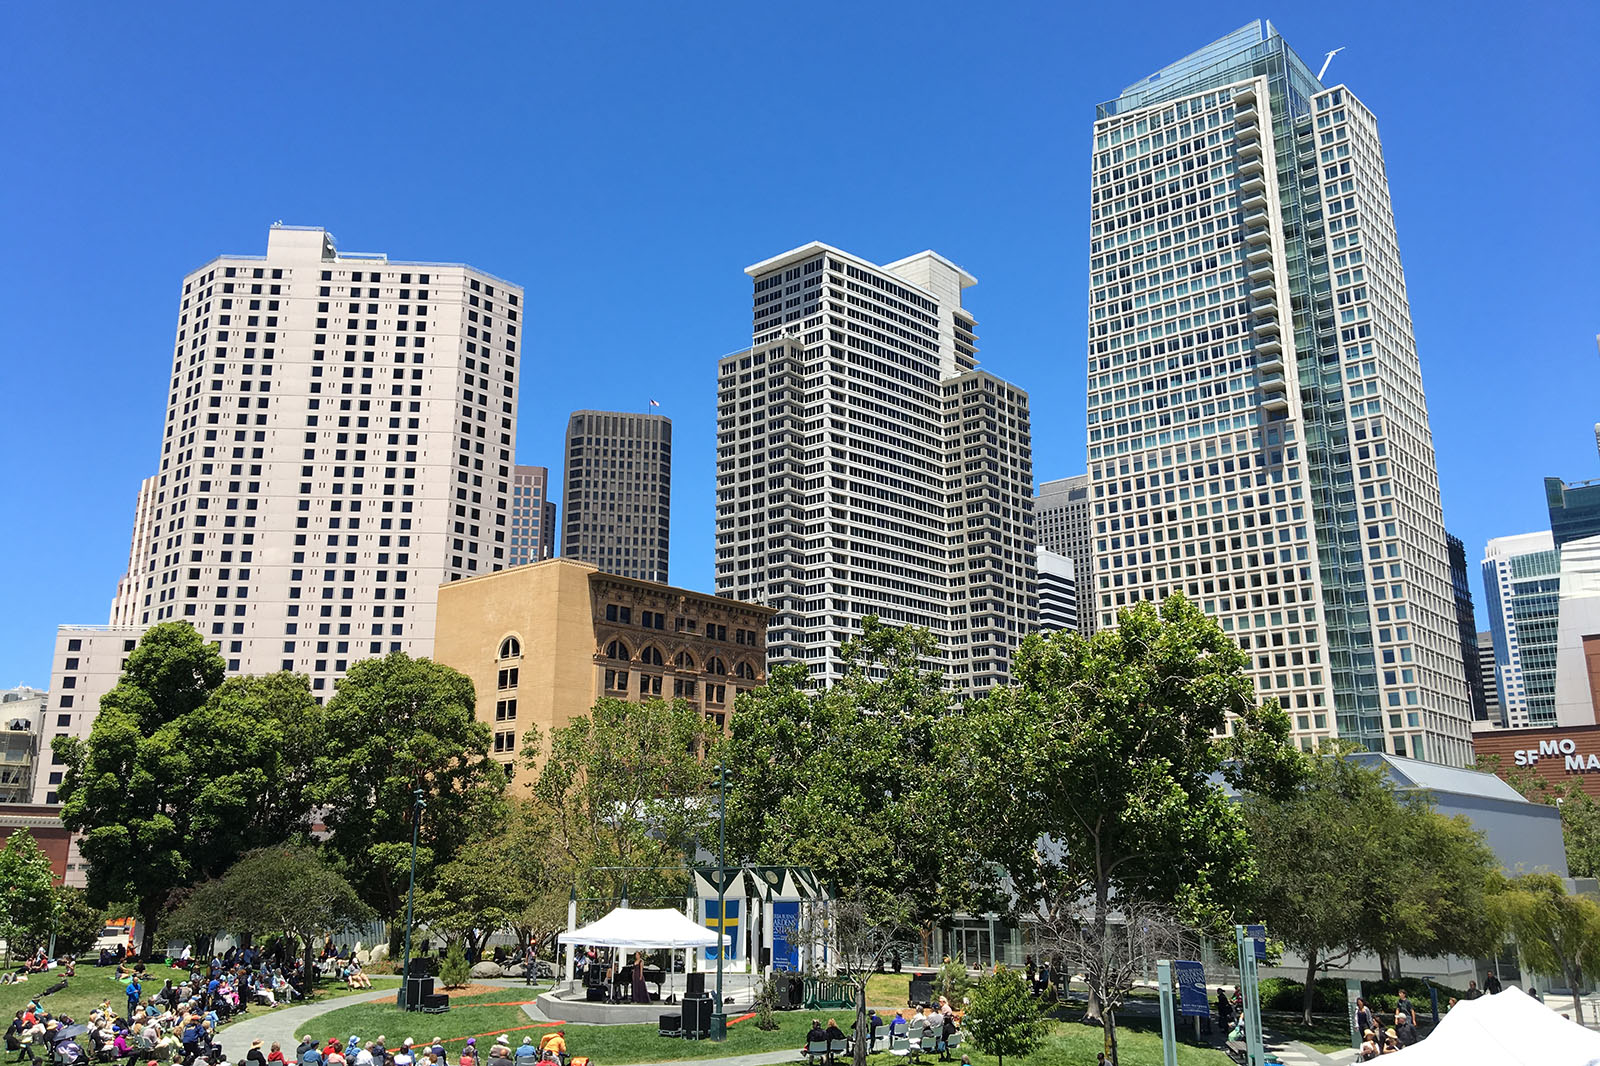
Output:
x=1509 y=1028
x=643 y=928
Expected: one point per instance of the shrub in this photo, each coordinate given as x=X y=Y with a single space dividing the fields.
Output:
x=455 y=970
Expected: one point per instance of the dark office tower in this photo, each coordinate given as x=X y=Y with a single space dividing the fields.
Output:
x=1574 y=509
x=616 y=496
x=1467 y=623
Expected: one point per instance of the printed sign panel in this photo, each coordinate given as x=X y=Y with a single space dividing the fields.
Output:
x=1190 y=977
x=785 y=920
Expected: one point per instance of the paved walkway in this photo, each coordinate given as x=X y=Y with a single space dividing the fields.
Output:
x=287 y=1023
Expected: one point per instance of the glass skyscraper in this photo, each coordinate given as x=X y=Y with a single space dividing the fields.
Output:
x=1257 y=434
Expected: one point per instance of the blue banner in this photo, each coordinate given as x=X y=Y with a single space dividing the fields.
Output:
x=1259 y=933
x=785 y=920
x=1190 y=977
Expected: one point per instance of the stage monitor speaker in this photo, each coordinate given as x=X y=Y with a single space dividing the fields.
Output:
x=697 y=1015
x=921 y=990
x=766 y=958
x=696 y=984
x=594 y=994
x=418 y=989
x=671 y=1023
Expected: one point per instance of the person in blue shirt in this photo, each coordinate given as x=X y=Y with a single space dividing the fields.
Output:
x=134 y=992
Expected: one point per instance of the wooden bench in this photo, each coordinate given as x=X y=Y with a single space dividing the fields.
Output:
x=1237 y=1050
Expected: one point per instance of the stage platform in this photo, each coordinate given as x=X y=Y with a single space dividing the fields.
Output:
x=567 y=1003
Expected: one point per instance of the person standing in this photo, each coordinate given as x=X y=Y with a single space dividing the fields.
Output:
x=1365 y=1019
x=1491 y=983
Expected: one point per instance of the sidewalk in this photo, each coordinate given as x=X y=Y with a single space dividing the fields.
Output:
x=286 y=1024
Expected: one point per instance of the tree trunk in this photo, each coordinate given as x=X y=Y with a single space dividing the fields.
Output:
x=1574 y=982
x=863 y=1033
x=149 y=913
x=1311 y=984
x=1111 y=1034
x=311 y=972
x=1383 y=966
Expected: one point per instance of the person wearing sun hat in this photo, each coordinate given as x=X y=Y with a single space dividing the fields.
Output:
x=255 y=1056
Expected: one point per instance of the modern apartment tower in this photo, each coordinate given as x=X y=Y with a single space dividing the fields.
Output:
x=1494 y=717
x=1522 y=584
x=1061 y=518
x=1258 y=438
x=338 y=442
x=616 y=502
x=533 y=516
x=865 y=466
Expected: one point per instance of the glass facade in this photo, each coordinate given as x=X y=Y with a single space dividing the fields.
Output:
x=1249 y=331
x=1574 y=509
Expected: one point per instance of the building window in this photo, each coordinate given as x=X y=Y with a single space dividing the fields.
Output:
x=618 y=650
x=716 y=666
x=651 y=656
x=652 y=620
x=649 y=684
x=505 y=742
x=510 y=648
x=717 y=694
x=745 y=672
x=618 y=613
x=616 y=680
x=684 y=689
x=507 y=678
x=505 y=710
x=683 y=661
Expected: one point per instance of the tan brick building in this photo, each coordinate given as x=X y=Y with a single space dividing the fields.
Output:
x=542 y=642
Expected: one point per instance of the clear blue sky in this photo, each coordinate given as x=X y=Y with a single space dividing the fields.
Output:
x=624 y=162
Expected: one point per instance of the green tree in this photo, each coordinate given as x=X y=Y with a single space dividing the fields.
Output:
x=625 y=787
x=1343 y=866
x=396 y=725
x=501 y=880
x=182 y=771
x=78 y=922
x=1557 y=933
x=27 y=894
x=847 y=780
x=289 y=890
x=454 y=969
x=1003 y=1017
x=1092 y=781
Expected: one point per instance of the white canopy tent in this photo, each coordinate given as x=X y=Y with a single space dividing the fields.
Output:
x=1506 y=1029
x=643 y=928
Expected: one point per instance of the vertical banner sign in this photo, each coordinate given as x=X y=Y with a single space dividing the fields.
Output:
x=723 y=923
x=785 y=921
x=1258 y=933
x=1190 y=978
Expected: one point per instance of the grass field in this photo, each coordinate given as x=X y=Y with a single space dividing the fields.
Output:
x=1067 y=1043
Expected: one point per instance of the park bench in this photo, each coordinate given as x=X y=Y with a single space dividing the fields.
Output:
x=1238 y=1051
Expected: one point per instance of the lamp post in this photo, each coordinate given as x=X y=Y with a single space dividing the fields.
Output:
x=417 y=805
x=719 y=1020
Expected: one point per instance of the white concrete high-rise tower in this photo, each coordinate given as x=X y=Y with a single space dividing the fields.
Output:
x=866 y=466
x=338 y=442
x=1258 y=435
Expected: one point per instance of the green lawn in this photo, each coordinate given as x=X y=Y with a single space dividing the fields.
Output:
x=1068 y=1043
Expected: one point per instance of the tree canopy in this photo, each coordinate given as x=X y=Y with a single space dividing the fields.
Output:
x=28 y=894
x=627 y=786
x=846 y=780
x=183 y=771
x=288 y=889
x=1345 y=864
x=1093 y=780
x=1557 y=933
x=395 y=725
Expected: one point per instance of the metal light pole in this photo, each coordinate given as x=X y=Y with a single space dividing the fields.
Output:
x=719 y=1020
x=417 y=805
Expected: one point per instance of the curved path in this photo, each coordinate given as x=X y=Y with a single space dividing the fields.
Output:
x=285 y=1024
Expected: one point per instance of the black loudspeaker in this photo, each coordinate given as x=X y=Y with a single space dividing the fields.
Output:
x=435 y=1004
x=594 y=994
x=791 y=991
x=671 y=1023
x=921 y=988
x=418 y=989
x=697 y=1015
x=766 y=957
x=696 y=984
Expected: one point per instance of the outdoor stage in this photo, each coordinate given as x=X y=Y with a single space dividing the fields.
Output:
x=569 y=1004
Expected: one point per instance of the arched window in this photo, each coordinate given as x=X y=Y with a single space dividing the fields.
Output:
x=510 y=648
x=715 y=665
x=745 y=672
x=618 y=650
x=683 y=661
x=651 y=656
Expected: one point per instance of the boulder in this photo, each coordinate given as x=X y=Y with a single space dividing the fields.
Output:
x=487 y=969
